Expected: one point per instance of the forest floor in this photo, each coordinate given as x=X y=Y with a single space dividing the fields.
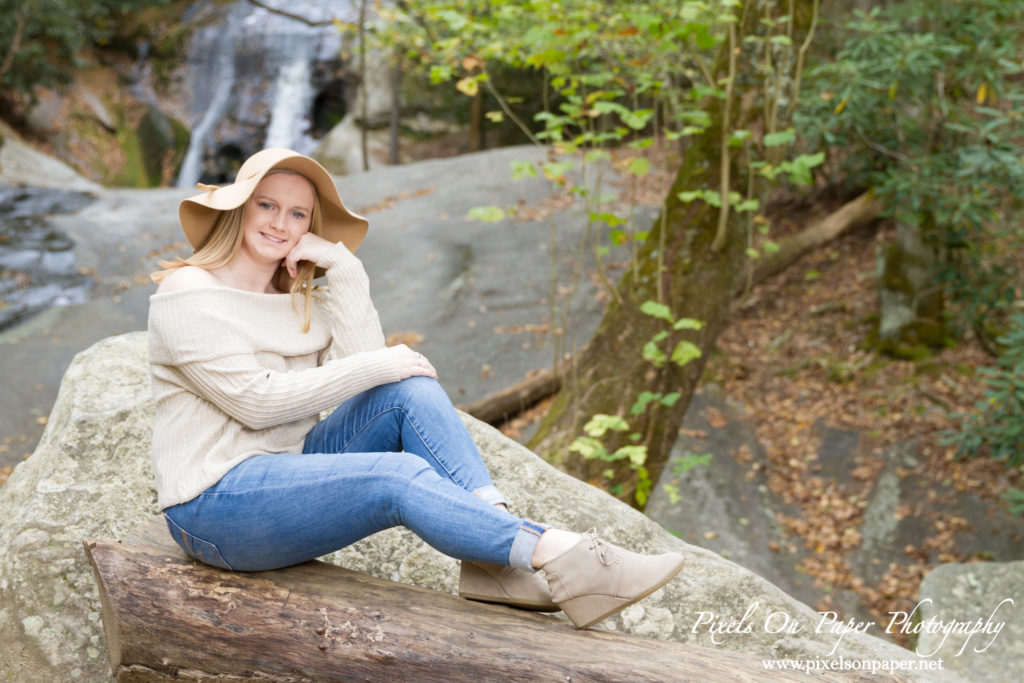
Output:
x=794 y=356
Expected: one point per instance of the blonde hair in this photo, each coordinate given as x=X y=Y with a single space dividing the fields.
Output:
x=225 y=239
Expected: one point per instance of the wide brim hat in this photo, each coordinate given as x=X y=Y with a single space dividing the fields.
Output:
x=198 y=214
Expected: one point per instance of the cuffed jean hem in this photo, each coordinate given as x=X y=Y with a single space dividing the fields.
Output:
x=524 y=544
x=490 y=494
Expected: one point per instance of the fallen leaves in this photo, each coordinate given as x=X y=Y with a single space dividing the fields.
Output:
x=390 y=201
x=795 y=372
x=410 y=339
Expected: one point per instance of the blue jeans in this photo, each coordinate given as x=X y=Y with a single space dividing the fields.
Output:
x=396 y=455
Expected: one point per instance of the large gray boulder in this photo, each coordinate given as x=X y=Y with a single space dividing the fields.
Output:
x=90 y=477
x=22 y=165
x=972 y=617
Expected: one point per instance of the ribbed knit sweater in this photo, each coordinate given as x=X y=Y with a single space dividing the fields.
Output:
x=234 y=376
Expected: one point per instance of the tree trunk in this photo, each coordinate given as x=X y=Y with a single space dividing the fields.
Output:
x=910 y=300
x=505 y=404
x=394 y=118
x=476 y=123
x=697 y=281
x=364 y=102
x=167 y=617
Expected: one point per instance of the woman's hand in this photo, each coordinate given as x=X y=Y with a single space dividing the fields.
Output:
x=410 y=363
x=310 y=247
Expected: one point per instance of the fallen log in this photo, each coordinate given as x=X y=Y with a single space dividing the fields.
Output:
x=503 y=405
x=167 y=617
x=850 y=216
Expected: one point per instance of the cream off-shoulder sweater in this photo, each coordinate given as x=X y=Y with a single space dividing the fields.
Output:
x=234 y=375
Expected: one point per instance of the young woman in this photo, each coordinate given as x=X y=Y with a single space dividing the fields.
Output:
x=245 y=354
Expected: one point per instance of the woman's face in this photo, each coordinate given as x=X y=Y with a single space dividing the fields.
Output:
x=277 y=215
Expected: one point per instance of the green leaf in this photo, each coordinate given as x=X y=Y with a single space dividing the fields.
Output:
x=656 y=310
x=637 y=120
x=673 y=494
x=778 y=139
x=556 y=170
x=770 y=247
x=688 y=461
x=590 y=448
x=608 y=218
x=753 y=253
x=653 y=354
x=523 y=169
x=640 y=166
x=687 y=324
x=709 y=196
x=487 y=214
x=637 y=454
x=601 y=423
x=643 y=485
x=737 y=137
x=439 y=73
x=547 y=58
x=670 y=398
x=685 y=352
x=642 y=400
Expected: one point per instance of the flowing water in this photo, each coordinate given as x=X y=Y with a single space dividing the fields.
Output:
x=37 y=261
x=254 y=78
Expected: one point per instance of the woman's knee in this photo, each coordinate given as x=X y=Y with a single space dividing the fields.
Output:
x=401 y=467
x=418 y=393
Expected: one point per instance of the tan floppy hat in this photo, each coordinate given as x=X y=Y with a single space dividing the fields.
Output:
x=199 y=213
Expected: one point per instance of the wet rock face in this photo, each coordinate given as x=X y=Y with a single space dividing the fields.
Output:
x=37 y=260
x=260 y=77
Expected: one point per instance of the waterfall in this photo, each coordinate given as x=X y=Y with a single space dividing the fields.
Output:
x=252 y=80
x=222 y=76
x=293 y=99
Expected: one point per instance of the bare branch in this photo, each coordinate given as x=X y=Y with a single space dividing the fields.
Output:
x=296 y=17
x=26 y=9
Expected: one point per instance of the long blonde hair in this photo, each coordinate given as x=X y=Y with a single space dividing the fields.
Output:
x=225 y=239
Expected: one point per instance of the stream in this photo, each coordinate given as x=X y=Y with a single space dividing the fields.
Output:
x=37 y=261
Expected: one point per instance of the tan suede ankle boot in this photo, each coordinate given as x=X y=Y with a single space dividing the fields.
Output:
x=503 y=585
x=595 y=579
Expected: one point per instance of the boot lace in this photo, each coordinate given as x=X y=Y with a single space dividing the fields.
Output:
x=605 y=553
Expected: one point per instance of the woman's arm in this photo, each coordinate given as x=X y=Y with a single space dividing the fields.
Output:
x=259 y=398
x=355 y=324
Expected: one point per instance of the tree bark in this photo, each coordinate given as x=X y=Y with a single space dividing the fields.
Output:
x=394 y=116
x=27 y=9
x=698 y=277
x=167 y=617
x=364 y=104
x=511 y=401
x=476 y=123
